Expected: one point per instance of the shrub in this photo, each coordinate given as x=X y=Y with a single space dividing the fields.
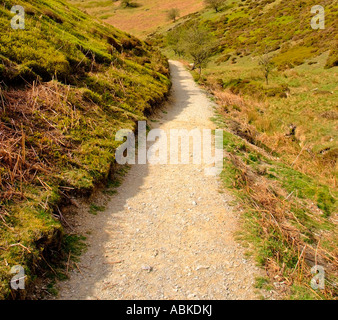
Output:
x=173 y=14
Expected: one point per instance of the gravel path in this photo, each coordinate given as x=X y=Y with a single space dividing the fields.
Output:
x=169 y=232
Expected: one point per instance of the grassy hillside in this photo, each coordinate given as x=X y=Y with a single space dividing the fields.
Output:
x=141 y=19
x=67 y=84
x=281 y=137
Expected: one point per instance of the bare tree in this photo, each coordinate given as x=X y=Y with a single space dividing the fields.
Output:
x=215 y=4
x=266 y=65
x=173 y=14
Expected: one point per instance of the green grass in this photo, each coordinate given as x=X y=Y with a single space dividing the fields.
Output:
x=60 y=263
x=263 y=283
x=95 y=209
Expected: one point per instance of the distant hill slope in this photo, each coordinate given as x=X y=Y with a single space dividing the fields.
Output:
x=141 y=20
x=67 y=84
x=254 y=26
x=285 y=25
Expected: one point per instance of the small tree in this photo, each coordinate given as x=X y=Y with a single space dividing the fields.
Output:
x=173 y=14
x=175 y=39
x=198 y=45
x=215 y=4
x=266 y=65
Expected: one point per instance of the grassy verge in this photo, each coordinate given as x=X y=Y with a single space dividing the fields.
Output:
x=287 y=190
x=68 y=84
x=283 y=226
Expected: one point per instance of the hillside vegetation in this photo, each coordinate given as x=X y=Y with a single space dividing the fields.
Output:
x=67 y=84
x=281 y=134
x=141 y=17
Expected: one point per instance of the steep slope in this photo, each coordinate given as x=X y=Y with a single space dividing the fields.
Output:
x=67 y=84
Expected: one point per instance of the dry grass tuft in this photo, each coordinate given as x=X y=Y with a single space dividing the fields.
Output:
x=276 y=218
x=26 y=156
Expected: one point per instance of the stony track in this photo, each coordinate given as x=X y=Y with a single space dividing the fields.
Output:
x=169 y=231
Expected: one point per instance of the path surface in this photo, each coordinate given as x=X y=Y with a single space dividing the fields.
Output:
x=168 y=227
